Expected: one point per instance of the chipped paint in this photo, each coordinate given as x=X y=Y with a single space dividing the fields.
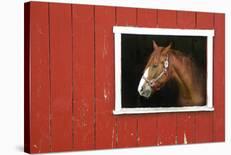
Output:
x=117 y=138
x=185 y=139
x=104 y=53
x=138 y=139
x=35 y=146
x=132 y=134
x=176 y=139
x=113 y=135
x=105 y=94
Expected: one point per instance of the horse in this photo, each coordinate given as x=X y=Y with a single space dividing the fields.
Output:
x=166 y=64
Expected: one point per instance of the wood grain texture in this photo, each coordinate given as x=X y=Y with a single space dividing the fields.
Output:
x=147 y=124
x=186 y=121
x=219 y=78
x=127 y=125
x=83 y=77
x=204 y=120
x=37 y=88
x=166 y=123
x=104 y=77
x=61 y=76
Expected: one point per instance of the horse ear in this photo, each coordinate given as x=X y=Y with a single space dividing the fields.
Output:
x=166 y=49
x=154 y=44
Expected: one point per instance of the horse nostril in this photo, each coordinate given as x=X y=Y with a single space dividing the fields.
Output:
x=142 y=88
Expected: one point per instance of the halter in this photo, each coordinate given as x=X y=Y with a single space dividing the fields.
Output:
x=152 y=83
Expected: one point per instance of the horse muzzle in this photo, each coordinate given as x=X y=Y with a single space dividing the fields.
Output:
x=145 y=91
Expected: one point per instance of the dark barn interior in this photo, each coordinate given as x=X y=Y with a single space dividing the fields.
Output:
x=135 y=53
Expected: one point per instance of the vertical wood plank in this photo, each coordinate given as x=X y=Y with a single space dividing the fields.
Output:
x=127 y=125
x=146 y=17
x=204 y=20
x=147 y=130
x=166 y=124
x=61 y=76
x=104 y=77
x=127 y=131
x=83 y=77
x=219 y=78
x=204 y=120
x=37 y=87
x=186 y=19
x=147 y=135
x=166 y=19
x=186 y=121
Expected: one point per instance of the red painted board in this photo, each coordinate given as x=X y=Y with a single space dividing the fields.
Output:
x=146 y=17
x=204 y=20
x=186 y=121
x=219 y=78
x=127 y=131
x=166 y=123
x=186 y=128
x=104 y=77
x=166 y=19
x=147 y=130
x=204 y=120
x=127 y=137
x=186 y=19
x=83 y=77
x=61 y=76
x=37 y=79
x=147 y=135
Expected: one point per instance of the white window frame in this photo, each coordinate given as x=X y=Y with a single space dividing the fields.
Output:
x=119 y=30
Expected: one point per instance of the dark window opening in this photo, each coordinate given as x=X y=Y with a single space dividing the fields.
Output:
x=135 y=53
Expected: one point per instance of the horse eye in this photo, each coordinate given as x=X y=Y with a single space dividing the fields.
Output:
x=155 y=65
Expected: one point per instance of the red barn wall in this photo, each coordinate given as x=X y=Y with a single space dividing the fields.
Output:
x=69 y=80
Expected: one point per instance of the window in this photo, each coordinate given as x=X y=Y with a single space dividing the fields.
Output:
x=163 y=70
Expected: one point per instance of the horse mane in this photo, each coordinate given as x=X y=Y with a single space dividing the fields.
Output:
x=189 y=61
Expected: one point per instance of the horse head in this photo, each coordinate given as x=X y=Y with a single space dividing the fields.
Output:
x=156 y=71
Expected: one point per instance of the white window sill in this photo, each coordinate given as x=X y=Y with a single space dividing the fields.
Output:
x=161 y=110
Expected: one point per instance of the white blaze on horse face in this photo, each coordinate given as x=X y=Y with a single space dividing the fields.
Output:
x=142 y=81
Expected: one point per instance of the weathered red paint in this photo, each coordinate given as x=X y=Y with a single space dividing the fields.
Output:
x=61 y=76
x=37 y=79
x=219 y=78
x=69 y=54
x=83 y=77
x=104 y=75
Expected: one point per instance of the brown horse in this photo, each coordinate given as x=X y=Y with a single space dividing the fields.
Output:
x=165 y=64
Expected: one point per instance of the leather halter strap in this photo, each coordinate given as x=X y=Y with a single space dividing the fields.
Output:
x=153 y=82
